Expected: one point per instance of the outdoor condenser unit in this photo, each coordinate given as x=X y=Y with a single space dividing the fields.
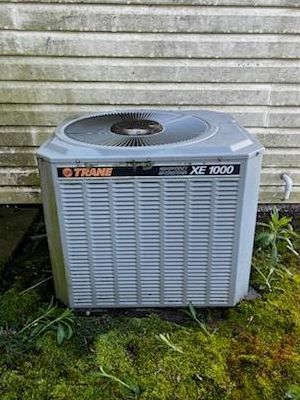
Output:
x=150 y=208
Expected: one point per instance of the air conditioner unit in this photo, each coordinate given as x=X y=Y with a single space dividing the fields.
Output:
x=150 y=208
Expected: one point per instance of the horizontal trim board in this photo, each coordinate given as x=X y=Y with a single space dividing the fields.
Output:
x=35 y=136
x=148 y=70
x=132 y=18
x=244 y=3
x=31 y=195
x=23 y=176
x=149 y=45
x=154 y=93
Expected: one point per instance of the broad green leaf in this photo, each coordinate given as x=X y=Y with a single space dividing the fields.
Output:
x=283 y=222
x=69 y=331
x=265 y=238
x=60 y=334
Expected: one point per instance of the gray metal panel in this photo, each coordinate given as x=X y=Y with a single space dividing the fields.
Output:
x=75 y=243
x=246 y=221
x=101 y=242
x=224 y=237
x=150 y=241
x=125 y=241
x=199 y=239
x=150 y=200
x=54 y=234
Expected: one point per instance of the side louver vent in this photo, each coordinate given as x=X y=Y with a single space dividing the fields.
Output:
x=137 y=129
x=150 y=241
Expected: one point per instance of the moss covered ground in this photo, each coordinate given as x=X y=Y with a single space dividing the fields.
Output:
x=252 y=352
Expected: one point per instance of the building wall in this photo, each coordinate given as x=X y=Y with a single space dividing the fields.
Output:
x=62 y=58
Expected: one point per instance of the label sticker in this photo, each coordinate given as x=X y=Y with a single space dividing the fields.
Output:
x=170 y=170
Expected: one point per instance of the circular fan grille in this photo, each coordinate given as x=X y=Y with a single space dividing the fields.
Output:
x=137 y=128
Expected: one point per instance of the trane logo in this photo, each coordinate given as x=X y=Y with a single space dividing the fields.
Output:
x=81 y=172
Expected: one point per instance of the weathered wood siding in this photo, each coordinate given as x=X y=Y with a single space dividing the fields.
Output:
x=67 y=57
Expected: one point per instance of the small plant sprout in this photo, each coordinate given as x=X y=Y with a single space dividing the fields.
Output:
x=191 y=312
x=269 y=279
x=134 y=388
x=277 y=235
x=62 y=325
x=165 y=339
x=16 y=342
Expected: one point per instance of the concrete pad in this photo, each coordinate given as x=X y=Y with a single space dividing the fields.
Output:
x=14 y=224
x=252 y=294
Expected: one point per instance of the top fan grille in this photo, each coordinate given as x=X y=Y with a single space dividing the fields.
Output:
x=137 y=129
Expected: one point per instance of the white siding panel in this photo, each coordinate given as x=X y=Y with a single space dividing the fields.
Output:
x=19 y=176
x=272 y=176
x=24 y=135
x=282 y=157
x=275 y=194
x=149 y=93
x=134 y=93
x=52 y=114
x=11 y=156
x=150 y=45
x=130 y=18
x=276 y=137
x=149 y=70
x=282 y=117
x=240 y=3
x=68 y=57
x=285 y=95
x=35 y=135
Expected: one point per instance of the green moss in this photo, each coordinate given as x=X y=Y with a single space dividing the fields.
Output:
x=15 y=308
x=137 y=355
x=265 y=342
x=253 y=354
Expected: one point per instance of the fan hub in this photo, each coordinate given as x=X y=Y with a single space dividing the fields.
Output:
x=136 y=127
